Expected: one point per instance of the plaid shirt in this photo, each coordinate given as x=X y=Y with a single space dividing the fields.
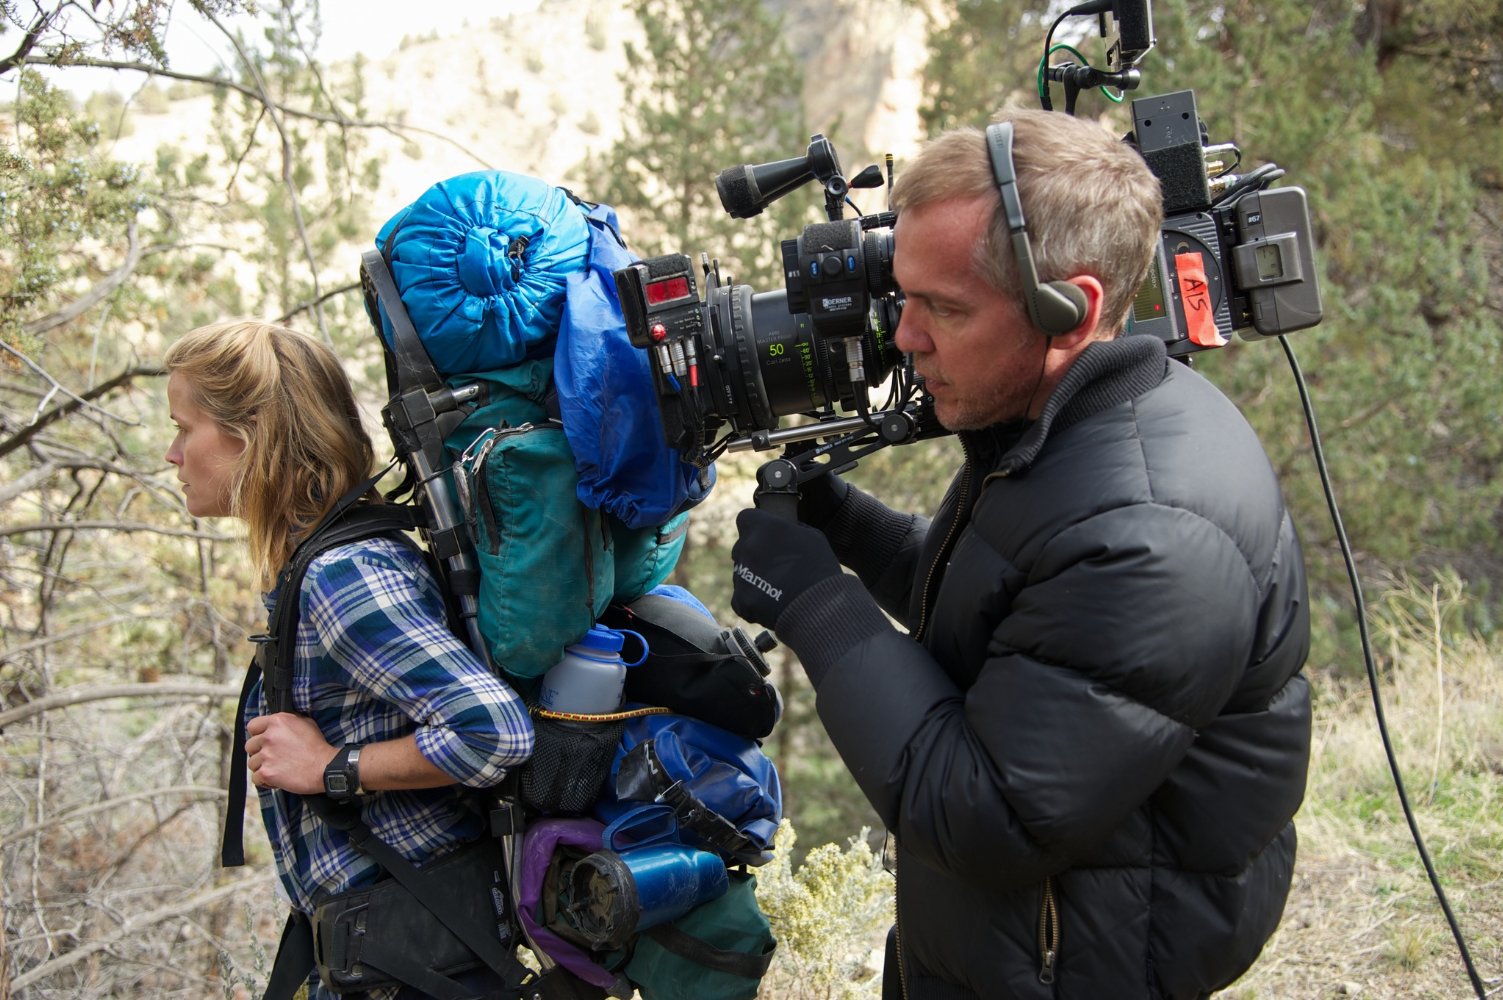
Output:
x=374 y=660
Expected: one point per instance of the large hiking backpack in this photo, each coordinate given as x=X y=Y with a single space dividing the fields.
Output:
x=528 y=428
x=468 y=286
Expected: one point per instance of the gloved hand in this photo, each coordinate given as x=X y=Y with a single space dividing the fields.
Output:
x=775 y=560
x=820 y=498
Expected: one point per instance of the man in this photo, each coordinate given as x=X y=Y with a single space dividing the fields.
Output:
x=1092 y=737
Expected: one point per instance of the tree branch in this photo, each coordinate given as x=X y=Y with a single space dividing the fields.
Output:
x=264 y=96
x=95 y=295
x=29 y=40
x=80 y=696
x=52 y=416
x=332 y=293
x=11 y=652
x=125 y=526
x=400 y=129
x=191 y=791
x=134 y=925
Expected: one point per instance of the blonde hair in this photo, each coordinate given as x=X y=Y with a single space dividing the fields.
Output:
x=287 y=398
x=1091 y=203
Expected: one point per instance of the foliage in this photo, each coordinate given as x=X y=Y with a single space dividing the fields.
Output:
x=112 y=802
x=64 y=208
x=828 y=915
x=711 y=86
x=1361 y=891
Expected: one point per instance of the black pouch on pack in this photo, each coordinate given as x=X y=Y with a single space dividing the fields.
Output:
x=696 y=668
x=570 y=762
x=367 y=938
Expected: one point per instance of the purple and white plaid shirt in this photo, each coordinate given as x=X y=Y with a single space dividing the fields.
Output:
x=374 y=660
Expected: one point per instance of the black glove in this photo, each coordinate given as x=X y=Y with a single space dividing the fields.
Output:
x=820 y=498
x=774 y=561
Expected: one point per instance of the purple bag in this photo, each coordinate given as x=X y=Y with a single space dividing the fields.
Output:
x=543 y=838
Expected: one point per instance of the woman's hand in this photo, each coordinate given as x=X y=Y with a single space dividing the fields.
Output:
x=287 y=751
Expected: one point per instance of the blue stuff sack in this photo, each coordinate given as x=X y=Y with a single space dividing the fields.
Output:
x=679 y=779
x=481 y=261
x=607 y=399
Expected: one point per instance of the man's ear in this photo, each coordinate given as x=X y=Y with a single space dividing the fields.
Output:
x=1086 y=330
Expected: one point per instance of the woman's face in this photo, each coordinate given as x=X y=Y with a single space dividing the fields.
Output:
x=203 y=451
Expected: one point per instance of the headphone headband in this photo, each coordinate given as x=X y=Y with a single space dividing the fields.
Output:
x=1054 y=306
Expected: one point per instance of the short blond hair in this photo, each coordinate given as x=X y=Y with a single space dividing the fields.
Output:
x=287 y=398
x=1091 y=203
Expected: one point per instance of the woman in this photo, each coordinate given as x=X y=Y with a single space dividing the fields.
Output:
x=268 y=432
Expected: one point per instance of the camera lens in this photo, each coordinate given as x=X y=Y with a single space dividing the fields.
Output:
x=772 y=364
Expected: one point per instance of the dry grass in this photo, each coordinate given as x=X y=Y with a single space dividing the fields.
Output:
x=1363 y=919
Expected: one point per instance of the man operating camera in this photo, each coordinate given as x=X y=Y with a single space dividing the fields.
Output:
x=1091 y=733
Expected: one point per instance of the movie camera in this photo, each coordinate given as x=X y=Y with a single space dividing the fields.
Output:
x=1234 y=257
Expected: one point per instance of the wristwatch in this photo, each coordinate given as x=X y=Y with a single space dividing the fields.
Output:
x=342 y=775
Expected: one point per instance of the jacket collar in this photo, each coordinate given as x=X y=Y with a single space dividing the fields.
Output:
x=1106 y=373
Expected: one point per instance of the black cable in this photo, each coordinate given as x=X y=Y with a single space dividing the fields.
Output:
x=1372 y=670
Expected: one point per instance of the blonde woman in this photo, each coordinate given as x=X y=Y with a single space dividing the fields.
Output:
x=392 y=712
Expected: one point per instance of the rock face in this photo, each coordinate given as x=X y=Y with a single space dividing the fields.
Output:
x=540 y=92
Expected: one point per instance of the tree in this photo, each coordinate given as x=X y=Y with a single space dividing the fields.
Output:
x=121 y=615
x=711 y=86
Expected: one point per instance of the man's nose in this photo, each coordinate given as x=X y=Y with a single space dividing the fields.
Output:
x=910 y=338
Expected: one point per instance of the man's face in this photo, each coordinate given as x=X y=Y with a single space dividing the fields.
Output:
x=980 y=356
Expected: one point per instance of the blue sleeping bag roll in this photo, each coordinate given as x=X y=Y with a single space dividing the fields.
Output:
x=481 y=261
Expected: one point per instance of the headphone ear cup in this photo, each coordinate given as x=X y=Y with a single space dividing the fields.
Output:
x=1059 y=307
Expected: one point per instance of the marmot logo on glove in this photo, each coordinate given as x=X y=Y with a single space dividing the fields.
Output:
x=745 y=573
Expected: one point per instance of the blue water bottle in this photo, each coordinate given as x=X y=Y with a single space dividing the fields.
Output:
x=591 y=677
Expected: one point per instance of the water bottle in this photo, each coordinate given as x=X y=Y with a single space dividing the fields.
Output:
x=616 y=895
x=591 y=678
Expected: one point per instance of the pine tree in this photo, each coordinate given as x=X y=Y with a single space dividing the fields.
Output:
x=711 y=86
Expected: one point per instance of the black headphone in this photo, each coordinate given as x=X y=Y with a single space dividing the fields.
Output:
x=1054 y=306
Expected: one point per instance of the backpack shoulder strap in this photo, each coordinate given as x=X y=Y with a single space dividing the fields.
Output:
x=352 y=524
x=272 y=663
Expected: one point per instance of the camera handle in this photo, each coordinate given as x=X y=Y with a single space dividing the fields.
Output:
x=778 y=480
x=777 y=488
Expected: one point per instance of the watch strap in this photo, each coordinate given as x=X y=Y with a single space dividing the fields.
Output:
x=342 y=774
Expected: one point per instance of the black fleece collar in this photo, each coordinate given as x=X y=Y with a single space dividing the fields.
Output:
x=1107 y=372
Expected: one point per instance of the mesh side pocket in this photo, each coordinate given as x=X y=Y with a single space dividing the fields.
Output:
x=571 y=758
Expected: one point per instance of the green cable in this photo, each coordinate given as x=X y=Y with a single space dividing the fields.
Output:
x=1044 y=64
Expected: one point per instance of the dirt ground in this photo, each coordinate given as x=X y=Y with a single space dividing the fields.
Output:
x=1355 y=927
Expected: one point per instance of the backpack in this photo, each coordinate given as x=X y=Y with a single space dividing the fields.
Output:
x=693 y=666
x=528 y=428
x=467 y=288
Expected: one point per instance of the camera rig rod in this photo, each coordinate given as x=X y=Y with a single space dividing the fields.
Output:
x=848 y=441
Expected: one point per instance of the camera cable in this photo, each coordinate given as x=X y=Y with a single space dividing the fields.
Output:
x=1372 y=670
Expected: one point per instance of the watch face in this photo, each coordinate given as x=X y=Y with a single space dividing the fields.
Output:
x=341 y=777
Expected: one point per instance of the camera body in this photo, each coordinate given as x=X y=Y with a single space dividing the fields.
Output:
x=728 y=365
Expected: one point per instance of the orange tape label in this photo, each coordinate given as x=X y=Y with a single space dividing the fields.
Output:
x=1195 y=293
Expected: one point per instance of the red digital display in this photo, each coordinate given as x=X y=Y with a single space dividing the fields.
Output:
x=667 y=290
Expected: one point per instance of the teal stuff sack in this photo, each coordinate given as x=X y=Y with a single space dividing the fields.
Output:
x=720 y=950
x=545 y=559
x=646 y=556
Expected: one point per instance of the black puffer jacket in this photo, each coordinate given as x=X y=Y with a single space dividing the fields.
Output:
x=1099 y=738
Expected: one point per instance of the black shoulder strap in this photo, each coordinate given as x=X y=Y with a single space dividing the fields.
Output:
x=414 y=366
x=272 y=662
x=352 y=524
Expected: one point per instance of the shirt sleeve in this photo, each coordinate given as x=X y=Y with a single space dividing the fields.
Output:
x=378 y=617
